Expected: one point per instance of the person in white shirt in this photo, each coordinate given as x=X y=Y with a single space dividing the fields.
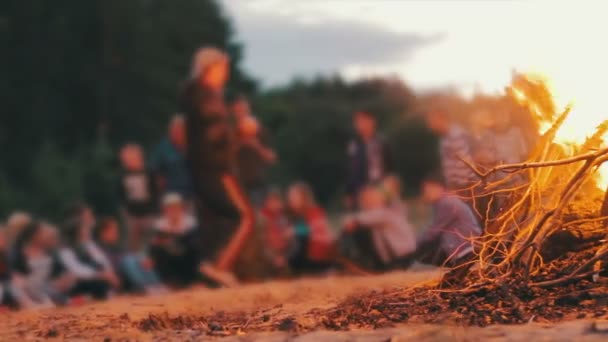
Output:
x=173 y=249
x=83 y=258
x=41 y=282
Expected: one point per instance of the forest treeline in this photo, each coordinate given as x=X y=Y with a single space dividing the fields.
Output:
x=80 y=78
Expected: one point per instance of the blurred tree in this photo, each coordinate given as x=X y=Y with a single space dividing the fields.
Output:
x=71 y=68
x=79 y=78
x=99 y=175
x=311 y=122
x=56 y=180
x=416 y=151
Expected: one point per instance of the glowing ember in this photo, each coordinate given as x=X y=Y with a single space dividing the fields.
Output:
x=547 y=97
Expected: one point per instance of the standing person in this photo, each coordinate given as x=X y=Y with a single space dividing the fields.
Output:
x=369 y=158
x=168 y=161
x=510 y=143
x=254 y=154
x=225 y=214
x=455 y=145
x=483 y=155
x=138 y=194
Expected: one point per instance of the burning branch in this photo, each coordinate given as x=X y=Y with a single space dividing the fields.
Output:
x=513 y=245
x=511 y=168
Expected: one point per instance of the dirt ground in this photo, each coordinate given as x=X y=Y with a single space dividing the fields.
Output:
x=286 y=305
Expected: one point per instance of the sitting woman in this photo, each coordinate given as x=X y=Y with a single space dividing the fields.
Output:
x=82 y=257
x=278 y=234
x=393 y=242
x=173 y=248
x=136 y=270
x=315 y=243
x=42 y=282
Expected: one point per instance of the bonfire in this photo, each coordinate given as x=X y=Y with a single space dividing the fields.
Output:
x=551 y=212
x=542 y=257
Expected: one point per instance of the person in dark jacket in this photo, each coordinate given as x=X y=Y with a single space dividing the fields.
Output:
x=369 y=158
x=225 y=214
x=138 y=195
x=168 y=161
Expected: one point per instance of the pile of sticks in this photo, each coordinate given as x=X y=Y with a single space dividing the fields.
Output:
x=534 y=198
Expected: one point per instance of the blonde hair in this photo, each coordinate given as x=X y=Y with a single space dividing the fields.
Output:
x=203 y=58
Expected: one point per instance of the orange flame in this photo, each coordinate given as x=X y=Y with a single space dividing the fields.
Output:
x=579 y=132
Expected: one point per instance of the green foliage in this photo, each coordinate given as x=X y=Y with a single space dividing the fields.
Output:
x=99 y=176
x=415 y=151
x=79 y=78
x=75 y=70
x=311 y=126
x=57 y=180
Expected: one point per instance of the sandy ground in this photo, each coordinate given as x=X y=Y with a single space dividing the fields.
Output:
x=120 y=319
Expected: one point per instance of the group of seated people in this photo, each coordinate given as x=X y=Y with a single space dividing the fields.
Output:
x=378 y=234
x=84 y=258
x=43 y=265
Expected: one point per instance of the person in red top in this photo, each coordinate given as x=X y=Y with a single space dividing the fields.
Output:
x=278 y=234
x=315 y=242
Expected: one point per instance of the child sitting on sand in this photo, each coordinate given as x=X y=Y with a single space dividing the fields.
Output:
x=135 y=269
x=451 y=235
x=173 y=248
x=315 y=244
x=393 y=239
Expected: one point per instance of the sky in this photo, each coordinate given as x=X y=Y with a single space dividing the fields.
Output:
x=467 y=45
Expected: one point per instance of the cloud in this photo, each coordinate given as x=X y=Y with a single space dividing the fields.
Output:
x=279 y=47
